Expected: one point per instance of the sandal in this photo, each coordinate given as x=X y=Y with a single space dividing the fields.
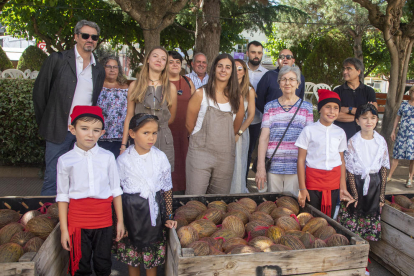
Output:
x=408 y=185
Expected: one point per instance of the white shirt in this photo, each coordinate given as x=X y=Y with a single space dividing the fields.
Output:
x=254 y=78
x=196 y=80
x=84 y=85
x=83 y=174
x=323 y=145
x=226 y=107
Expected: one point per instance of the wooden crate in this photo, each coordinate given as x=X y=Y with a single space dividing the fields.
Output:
x=51 y=259
x=333 y=261
x=395 y=250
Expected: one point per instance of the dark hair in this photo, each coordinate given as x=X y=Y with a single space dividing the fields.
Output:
x=140 y=119
x=175 y=55
x=359 y=66
x=255 y=43
x=232 y=91
x=120 y=79
x=362 y=109
x=87 y=119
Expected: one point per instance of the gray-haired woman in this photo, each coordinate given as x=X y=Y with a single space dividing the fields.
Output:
x=282 y=175
x=113 y=101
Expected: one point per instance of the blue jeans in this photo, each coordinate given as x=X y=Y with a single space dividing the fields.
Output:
x=112 y=146
x=52 y=154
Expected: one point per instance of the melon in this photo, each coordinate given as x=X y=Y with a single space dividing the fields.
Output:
x=319 y=243
x=244 y=249
x=292 y=242
x=8 y=216
x=238 y=207
x=266 y=207
x=261 y=216
x=275 y=233
x=201 y=248
x=187 y=235
x=307 y=239
x=258 y=231
x=225 y=234
x=53 y=210
x=324 y=232
x=229 y=244
x=204 y=227
x=277 y=247
x=41 y=226
x=10 y=252
x=288 y=202
x=216 y=243
x=403 y=201
x=304 y=218
x=253 y=224
x=235 y=224
x=222 y=206
x=296 y=233
x=215 y=251
x=53 y=219
x=288 y=223
x=212 y=214
x=387 y=202
x=261 y=243
x=396 y=206
x=8 y=231
x=187 y=212
x=249 y=203
x=21 y=237
x=180 y=222
x=281 y=212
x=337 y=240
x=33 y=245
x=314 y=224
x=241 y=215
x=28 y=216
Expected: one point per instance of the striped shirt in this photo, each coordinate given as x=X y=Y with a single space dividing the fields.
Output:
x=277 y=119
x=196 y=80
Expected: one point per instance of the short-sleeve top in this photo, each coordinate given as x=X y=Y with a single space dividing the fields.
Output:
x=354 y=98
x=113 y=102
x=277 y=119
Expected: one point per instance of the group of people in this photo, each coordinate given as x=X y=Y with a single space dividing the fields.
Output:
x=108 y=142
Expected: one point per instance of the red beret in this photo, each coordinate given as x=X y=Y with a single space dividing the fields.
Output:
x=80 y=111
x=326 y=96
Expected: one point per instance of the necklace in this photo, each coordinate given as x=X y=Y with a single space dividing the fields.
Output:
x=153 y=81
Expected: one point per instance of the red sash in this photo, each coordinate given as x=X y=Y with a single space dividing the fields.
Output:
x=324 y=181
x=85 y=213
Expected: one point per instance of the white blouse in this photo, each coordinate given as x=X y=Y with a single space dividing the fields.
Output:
x=137 y=178
x=357 y=162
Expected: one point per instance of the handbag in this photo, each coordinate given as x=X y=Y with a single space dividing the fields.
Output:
x=268 y=161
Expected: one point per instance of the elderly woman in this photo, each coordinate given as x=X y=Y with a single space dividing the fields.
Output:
x=282 y=174
x=404 y=144
x=113 y=101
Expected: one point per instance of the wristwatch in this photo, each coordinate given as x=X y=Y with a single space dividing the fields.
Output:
x=350 y=110
x=240 y=132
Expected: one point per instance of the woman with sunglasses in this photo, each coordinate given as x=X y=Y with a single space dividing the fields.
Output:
x=152 y=93
x=185 y=88
x=214 y=116
x=238 y=184
x=113 y=101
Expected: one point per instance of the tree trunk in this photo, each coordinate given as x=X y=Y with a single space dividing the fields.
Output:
x=152 y=39
x=208 y=30
x=358 y=47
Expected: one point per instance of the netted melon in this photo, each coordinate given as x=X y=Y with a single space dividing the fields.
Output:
x=222 y=206
x=314 y=224
x=225 y=234
x=33 y=245
x=187 y=235
x=304 y=218
x=258 y=231
x=204 y=227
x=253 y=224
x=288 y=202
x=396 y=206
x=319 y=243
x=249 y=203
x=281 y=212
x=261 y=243
x=216 y=243
x=8 y=216
x=10 y=252
x=324 y=232
x=337 y=240
x=292 y=242
x=187 y=212
x=234 y=206
x=28 y=216
x=275 y=233
x=288 y=223
x=244 y=249
x=229 y=244
x=261 y=216
x=266 y=207
x=295 y=233
x=235 y=224
x=197 y=204
x=241 y=215
x=212 y=214
x=307 y=239
x=53 y=210
x=403 y=201
x=22 y=237
x=201 y=248
x=181 y=221
x=8 y=231
x=41 y=226
x=277 y=247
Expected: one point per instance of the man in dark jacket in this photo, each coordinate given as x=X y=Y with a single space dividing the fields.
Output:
x=65 y=80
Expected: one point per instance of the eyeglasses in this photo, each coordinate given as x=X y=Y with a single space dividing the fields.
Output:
x=86 y=36
x=111 y=67
x=288 y=57
x=291 y=80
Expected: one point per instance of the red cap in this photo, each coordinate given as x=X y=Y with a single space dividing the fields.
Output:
x=80 y=111
x=326 y=96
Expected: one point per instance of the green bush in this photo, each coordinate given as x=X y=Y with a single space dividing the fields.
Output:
x=20 y=143
x=32 y=58
x=5 y=62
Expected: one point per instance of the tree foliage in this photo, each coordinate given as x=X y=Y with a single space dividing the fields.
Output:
x=32 y=58
x=5 y=62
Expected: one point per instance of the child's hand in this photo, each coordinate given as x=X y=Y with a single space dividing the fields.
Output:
x=303 y=195
x=382 y=204
x=65 y=240
x=344 y=195
x=120 y=230
x=171 y=224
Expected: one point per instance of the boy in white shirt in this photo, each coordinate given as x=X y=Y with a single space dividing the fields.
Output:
x=321 y=148
x=87 y=184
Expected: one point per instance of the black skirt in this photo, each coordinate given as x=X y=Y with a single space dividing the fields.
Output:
x=137 y=220
x=369 y=204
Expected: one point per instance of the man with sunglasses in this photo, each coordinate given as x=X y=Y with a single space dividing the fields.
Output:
x=66 y=79
x=268 y=88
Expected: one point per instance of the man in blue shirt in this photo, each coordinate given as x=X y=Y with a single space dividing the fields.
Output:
x=268 y=88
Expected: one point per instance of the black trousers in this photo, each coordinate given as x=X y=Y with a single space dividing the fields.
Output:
x=96 y=245
x=254 y=132
x=316 y=199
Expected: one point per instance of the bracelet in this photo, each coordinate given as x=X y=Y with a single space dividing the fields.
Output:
x=302 y=189
x=123 y=145
x=170 y=216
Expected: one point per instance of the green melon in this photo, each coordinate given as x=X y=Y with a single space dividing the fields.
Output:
x=204 y=227
x=314 y=224
x=249 y=203
x=337 y=240
x=222 y=206
x=8 y=231
x=261 y=216
x=10 y=252
x=292 y=242
x=288 y=202
x=266 y=207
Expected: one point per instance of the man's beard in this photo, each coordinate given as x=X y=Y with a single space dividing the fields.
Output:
x=88 y=48
x=254 y=62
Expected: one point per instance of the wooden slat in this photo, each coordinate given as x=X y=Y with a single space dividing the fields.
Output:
x=381 y=102
x=397 y=239
x=398 y=219
x=173 y=253
x=390 y=269
x=393 y=257
x=351 y=272
x=11 y=268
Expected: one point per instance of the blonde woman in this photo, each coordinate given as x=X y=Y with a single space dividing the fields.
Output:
x=152 y=93
x=238 y=184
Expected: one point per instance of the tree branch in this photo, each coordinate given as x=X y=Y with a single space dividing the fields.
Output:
x=181 y=27
x=46 y=39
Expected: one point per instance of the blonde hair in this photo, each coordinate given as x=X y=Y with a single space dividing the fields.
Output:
x=245 y=83
x=138 y=94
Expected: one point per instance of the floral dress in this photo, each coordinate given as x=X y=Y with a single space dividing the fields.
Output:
x=366 y=183
x=404 y=144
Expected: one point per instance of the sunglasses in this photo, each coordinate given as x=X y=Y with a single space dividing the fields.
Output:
x=86 y=36
x=289 y=57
